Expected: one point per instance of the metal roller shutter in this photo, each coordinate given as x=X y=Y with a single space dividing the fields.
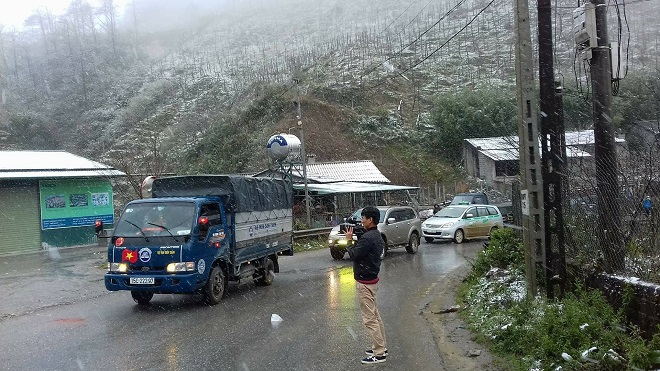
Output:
x=20 y=221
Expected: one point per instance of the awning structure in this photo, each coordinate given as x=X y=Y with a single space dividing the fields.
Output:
x=350 y=187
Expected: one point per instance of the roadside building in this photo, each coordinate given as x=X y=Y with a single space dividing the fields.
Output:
x=52 y=199
x=338 y=188
x=496 y=159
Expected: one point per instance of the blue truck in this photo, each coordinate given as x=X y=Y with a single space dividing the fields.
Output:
x=196 y=233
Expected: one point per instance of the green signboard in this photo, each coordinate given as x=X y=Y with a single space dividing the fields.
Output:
x=75 y=203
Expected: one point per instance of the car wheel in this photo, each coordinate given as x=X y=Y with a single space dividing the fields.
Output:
x=267 y=274
x=429 y=239
x=459 y=237
x=413 y=244
x=337 y=254
x=493 y=229
x=142 y=297
x=215 y=286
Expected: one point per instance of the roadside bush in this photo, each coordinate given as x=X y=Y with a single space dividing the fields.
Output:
x=579 y=332
x=505 y=250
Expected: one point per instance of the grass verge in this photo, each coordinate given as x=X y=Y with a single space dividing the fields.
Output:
x=310 y=243
x=579 y=332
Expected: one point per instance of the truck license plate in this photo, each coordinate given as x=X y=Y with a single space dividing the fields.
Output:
x=142 y=280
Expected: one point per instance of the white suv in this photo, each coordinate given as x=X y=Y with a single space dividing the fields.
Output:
x=399 y=226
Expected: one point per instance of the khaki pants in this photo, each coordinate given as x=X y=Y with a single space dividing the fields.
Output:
x=371 y=316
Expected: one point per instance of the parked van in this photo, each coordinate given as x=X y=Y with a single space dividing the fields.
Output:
x=462 y=222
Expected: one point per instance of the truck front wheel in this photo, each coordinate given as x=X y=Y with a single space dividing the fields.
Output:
x=267 y=274
x=215 y=286
x=142 y=297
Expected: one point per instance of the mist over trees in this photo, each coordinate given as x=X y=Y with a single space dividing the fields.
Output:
x=153 y=86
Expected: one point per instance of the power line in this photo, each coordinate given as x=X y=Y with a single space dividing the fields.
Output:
x=395 y=19
x=441 y=46
x=416 y=39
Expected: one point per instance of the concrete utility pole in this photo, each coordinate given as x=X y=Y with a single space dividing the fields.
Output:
x=303 y=154
x=609 y=218
x=553 y=156
x=531 y=190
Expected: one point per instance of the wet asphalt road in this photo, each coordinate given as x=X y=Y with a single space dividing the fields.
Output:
x=88 y=328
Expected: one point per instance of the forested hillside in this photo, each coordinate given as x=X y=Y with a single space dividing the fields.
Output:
x=199 y=86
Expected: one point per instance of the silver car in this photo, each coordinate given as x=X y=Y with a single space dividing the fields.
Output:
x=400 y=226
x=461 y=222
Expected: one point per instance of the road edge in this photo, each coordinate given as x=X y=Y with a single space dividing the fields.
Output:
x=455 y=342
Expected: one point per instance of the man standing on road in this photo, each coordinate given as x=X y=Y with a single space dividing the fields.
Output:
x=366 y=255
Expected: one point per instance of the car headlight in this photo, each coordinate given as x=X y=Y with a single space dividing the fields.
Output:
x=181 y=267
x=334 y=231
x=447 y=225
x=118 y=267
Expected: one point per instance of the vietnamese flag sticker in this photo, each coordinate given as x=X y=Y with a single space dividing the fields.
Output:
x=129 y=255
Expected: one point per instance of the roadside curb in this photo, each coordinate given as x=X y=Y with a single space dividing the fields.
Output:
x=456 y=347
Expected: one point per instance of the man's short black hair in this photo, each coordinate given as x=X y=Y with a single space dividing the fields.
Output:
x=371 y=212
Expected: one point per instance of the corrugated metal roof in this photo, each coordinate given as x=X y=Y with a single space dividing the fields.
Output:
x=510 y=154
x=584 y=137
x=340 y=171
x=51 y=164
x=506 y=148
x=350 y=187
x=510 y=142
x=348 y=171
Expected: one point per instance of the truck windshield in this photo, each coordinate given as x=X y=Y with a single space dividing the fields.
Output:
x=156 y=219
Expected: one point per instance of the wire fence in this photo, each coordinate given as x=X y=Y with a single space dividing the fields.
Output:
x=625 y=239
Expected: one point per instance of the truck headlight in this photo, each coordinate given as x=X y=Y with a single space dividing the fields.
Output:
x=118 y=267
x=181 y=267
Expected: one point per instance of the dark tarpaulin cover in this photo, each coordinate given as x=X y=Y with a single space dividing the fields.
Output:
x=239 y=193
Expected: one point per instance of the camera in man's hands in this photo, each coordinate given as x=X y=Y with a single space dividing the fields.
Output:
x=358 y=229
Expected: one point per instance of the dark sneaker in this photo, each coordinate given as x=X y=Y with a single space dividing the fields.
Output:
x=370 y=352
x=374 y=359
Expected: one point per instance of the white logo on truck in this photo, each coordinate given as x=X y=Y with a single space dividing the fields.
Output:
x=144 y=254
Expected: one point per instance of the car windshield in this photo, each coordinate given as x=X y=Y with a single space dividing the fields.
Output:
x=450 y=212
x=156 y=219
x=357 y=216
